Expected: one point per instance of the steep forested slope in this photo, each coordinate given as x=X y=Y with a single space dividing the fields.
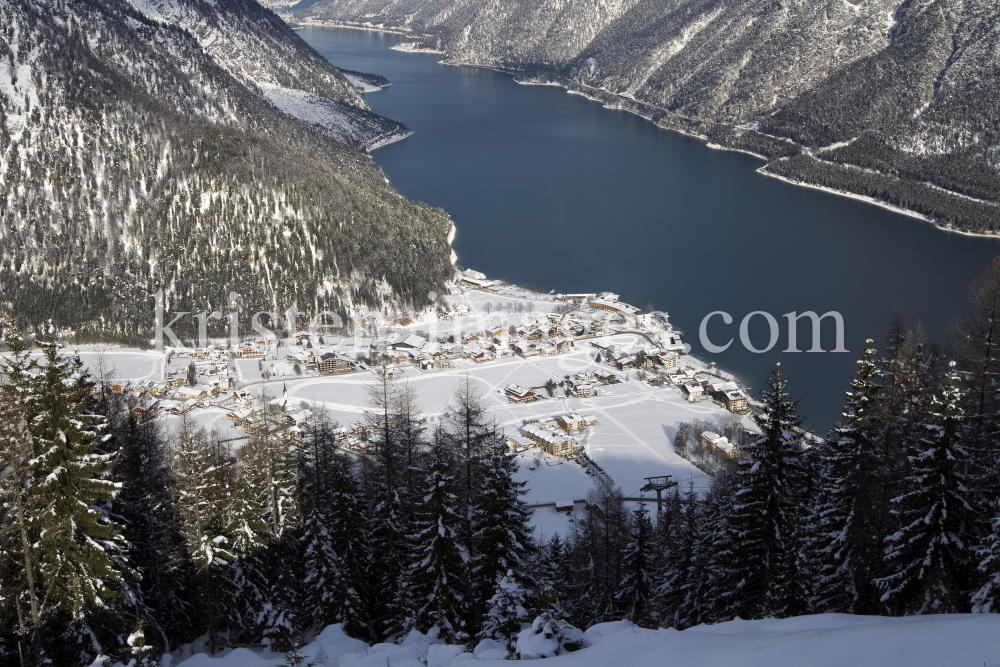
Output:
x=893 y=100
x=132 y=160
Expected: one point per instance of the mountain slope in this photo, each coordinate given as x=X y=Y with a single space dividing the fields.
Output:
x=132 y=162
x=892 y=100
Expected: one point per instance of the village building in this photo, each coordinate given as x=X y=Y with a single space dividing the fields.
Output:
x=693 y=390
x=184 y=408
x=615 y=306
x=625 y=362
x=146 y=408
x=730 y=395
x=407 y=342
x=719 y=445
x=331 y=363
x=549 y=440
x=570 y=422
x=583 y=390
x=517 y=394
x=196 y=393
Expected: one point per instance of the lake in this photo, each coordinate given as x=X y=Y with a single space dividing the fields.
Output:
x=554 y=190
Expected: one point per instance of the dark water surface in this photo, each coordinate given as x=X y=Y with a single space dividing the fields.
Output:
x=554 y=190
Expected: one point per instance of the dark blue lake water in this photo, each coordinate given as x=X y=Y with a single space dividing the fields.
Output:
x=554 y=190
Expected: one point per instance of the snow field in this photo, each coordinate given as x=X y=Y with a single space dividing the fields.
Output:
x=826 y=640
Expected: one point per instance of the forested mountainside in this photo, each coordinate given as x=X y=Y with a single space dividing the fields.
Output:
x=887 y=99
x=140 y=153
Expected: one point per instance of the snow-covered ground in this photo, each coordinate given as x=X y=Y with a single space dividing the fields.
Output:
x=828 y=640
x=125 y=364
x=636 y=421
x=341 y=121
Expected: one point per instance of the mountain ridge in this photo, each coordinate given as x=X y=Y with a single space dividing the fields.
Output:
x=132 y=162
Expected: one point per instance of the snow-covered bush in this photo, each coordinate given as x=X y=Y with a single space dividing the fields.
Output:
x=549 y=636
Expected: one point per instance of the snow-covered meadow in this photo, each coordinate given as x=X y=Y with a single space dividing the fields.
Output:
x=827 y=640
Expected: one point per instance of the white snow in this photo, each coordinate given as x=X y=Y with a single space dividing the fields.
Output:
x=333 y=118
x=827 y=640
x=361 y=84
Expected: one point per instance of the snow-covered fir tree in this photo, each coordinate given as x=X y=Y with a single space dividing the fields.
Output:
x=986 y=598
x=502 y=540
x=635 y=593
x=506 y=615
x=202 y=474
x=81 y=550
x=437 y=580
x=845 y=543
x=930 y=559
x=247 y=575
x=763 y=515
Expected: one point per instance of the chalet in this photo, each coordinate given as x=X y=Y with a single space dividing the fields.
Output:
x=298 y=418
x=564 y=506
x=625 y=362
x=147 y=408
x=589 y=420
x=583 y=390
x=331 y=363
x=555 y=330
x=609 y=378
x=556 y=318
x=643 y=319
x=446 y=364
x=534 y=334
x=469 y=339
x=461 y=309
x=156 y=388
x=196 y=393
x=526 y=349
x=498 y=332
x=250 y=352
x=516 y=394
x=483 y=356
x=425 y=364
x=184 y=408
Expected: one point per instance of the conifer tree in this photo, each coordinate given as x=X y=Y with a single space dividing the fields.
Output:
x=506 y=615
x=81 y=549
x=683 y=575
x=247 y=583
x=502 y=539
x=846 y=546
x=438 y=577
x=387 y=517
x=986 y=598
x=333 y=538
x=18 y=500
x=145 y=504
x=929 y=556
x=635 y=592
x=763 y=514
x=202 y=473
